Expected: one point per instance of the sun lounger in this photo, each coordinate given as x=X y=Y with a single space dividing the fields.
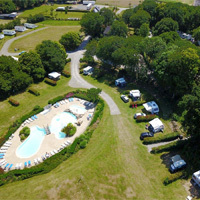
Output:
x=16 y=166
x=6 y=145
x=30 y=119
x=4 y=148
x=57 y=104
x=10 y=166
x=2 y=154
x=29 y=163
x=43 y=158
x=27 y=121
x=63 y=145
x=55 y=151
x=72 y=99
x=52 y=153
x=38 y=160
x=25 y=164
x=8 y=142
x=3 y=163
x=3 y=151
x=2 y=160
x=6 y=165
x=1 y=157
x=35 y=161
x=20 y=166
x=66 y=101
x=68 y=142
x=35 y=117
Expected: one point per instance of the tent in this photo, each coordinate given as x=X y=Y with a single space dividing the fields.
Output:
x=135 y=94
x=54 y=75
x=120 y=82
x=156 y=126
x=151 y=107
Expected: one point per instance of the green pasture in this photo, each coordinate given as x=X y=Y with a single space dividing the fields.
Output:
x=60 y=23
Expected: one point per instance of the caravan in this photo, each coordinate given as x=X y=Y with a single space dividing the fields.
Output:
x=9 y=32
x=88 y=70
x=156 y=126
x=196 y=177
x=120 y=82
x=20 y=28
x=89 y=6
x=135 y=95
x=151 y=107
x=27 y=25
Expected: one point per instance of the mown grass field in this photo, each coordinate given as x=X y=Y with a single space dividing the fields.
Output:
x=114 y=165
x=190 y=2
x=60 y=23
x=29 y=42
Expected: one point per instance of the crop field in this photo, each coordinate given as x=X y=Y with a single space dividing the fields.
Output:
x=29 y=42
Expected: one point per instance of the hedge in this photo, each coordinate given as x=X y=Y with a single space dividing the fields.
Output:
x=161 y=138
x=50 y=82
x=146 y=118
x=33 y=91
x=173 y=177
x=171 y=146
x=13 y=102
x=66 y=73
x=85 y=11
x=54 y=100
x=68 y=60
x=138 y=103
x=52 y=162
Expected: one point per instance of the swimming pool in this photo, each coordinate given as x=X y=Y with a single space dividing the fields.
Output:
x=77 y=109
x=59 y=122
x=32 y=144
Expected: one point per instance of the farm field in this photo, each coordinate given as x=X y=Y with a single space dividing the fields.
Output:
x=29 y=42
x=114 y=165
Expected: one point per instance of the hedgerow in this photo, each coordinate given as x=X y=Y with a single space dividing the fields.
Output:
x=13 y=102
x=50 y=82
x=33 y=91
x=146 y=118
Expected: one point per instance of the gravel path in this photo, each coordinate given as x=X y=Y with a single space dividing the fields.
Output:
x=78 y=82
x=4 y=50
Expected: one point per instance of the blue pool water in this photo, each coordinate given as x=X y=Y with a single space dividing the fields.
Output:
x=60 y=121
x=32 y=144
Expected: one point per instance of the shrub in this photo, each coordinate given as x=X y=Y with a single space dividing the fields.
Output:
x=146 y=118
x=126 y=92
x=35 y=18
x=83 y=144
x=33 y=91
x=69 y=130
x=54 y=100
x=173 y=177
x=161 y=138
x=138 y=103
x=13 y=102
x=68 y=60
x=50 y=82
x=81 y=71
x=66 y=73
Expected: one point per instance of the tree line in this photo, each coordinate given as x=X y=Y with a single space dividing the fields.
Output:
x=172 y=61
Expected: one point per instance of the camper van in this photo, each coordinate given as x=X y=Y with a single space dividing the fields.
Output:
x=9 y=32
x=27 y=25
x=20 y=28
x=88 y=70
x=89 y=6
x=151 y=107
x=135 y=94
x=120 y=82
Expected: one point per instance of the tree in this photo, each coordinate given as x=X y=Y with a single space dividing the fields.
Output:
x=106 y=48
x=31 y=64
x=92 y=24
x=91 y=48
x=127 y=15
x=165 y=25
x=190 y=104
x=93 y=94
x=144 y=30
x=139 y=18
x=70 y=40
x=196 y=34
x=170 y=37
x=7 y=6
x=12 y=79
x=53 y=55
x=108 y=16
x=119 y=29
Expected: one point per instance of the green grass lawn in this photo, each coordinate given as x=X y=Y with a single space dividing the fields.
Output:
x=60 y=23
x=29 y=42
x=190 y=2
x=4 y=21
x=114 y=165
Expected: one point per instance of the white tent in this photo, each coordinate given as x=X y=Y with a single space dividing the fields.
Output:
x=151 y=107
x=156 y=125
x=54 y=75
x=135 y=94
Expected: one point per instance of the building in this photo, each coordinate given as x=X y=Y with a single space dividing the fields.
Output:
x=54 y=76
x=27 y=25
x=156 y=126
x=151 y=107
x=20 y=28
x=9 y=32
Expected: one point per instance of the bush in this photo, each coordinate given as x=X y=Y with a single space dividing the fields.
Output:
x=83 y=144
x=69 y=130
x=33 y=91
x=171 y=146
x=173 y=177
x=24 y=133
x=35 y=18
x=146 y=118
x=88 y=59
x=126 y=92
x=66 y=73
x=161 y=138
x=54 y=100
x=13 y=102
x=50 y=82
x=81 y=71
x=68 y=60
x=138 y=103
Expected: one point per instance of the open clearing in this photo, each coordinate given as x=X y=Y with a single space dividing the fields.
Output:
x=29 y=42
x=114 y=165
x=60 y=23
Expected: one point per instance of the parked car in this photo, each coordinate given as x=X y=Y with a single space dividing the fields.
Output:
x=177 y=163
x=22 y=52
x=125 y=98
x=146 y=134
x=139 y=114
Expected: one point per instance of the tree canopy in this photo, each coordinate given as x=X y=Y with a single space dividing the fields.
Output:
x=108 y=16
x=70 y=40
x=144 y=30
x=53 y=56
x=7 y=6
x=119 y=29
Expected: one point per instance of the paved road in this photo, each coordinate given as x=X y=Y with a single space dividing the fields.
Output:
x=78 y=82
x=4 y=50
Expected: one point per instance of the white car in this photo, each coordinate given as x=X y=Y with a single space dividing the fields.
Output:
x=125 y=98
x=139 y=114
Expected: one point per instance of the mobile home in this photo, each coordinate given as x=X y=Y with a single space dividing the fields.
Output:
x=156 y=126
x=27 y=25
x=54 y=76
x=120 y=82
x=88 y=2
x=20 y=28
x=89 y=6
x=151 y=107
x=87 y=70
x=196 y=177
x=9 y=32
x=60 y=9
